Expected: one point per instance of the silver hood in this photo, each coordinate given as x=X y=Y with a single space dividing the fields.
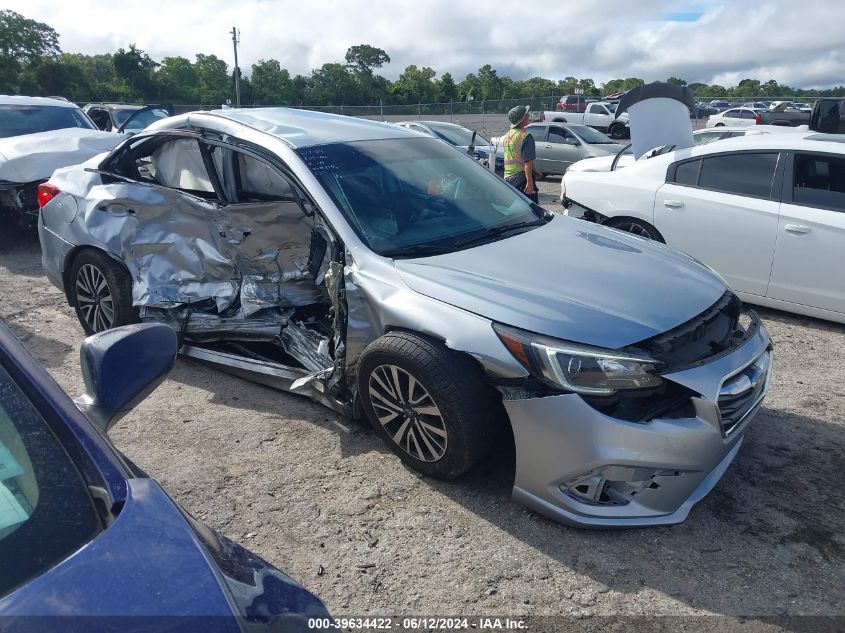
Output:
x=571 y=280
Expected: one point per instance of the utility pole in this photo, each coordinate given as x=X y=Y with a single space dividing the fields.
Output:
x=235 y=41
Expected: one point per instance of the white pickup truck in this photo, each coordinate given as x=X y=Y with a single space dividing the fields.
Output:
x=599 y=115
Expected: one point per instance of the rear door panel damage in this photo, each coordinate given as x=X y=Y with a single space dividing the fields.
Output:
x=222 y=249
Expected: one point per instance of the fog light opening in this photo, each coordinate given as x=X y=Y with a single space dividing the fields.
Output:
x=614 y=485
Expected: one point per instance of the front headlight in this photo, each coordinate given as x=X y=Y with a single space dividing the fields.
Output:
x=579 y=368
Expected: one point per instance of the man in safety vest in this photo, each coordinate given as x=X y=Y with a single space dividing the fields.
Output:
x=520 y=153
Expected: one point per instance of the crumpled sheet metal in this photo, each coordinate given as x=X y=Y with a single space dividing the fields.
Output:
x=202 y=327
x=36 y=156
x=183 y=250
x=308 y=347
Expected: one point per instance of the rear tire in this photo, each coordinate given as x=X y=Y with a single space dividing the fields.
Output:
x=431 y=405
x=616 y=131
x=636 y=227
x=101 y=292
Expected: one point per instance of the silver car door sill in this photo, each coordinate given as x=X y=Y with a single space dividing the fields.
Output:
x=275 y=375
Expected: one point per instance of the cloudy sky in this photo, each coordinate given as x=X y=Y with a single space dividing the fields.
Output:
x=714 y=41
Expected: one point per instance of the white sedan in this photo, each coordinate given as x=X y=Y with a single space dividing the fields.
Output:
x=766 y=211
x=625 y=156
x=734 y=116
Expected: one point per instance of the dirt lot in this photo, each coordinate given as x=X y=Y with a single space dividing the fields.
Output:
x=320 y=496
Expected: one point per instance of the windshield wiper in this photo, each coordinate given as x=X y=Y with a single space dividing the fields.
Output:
x=418 y=250
x=496 y=231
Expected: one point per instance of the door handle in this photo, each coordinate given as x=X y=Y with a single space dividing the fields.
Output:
x=673 y=204
x=797 y=229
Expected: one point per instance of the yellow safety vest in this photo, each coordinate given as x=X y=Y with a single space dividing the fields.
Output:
x=513 y=151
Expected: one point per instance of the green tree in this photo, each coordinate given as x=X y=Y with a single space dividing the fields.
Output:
x=23 y=42
x=333 y=84
x=416 y=85
x=447 y=88
x=489 y=84
x=61 y=76
x=178 y=81
x=469 y=89
x=271 y=83
x=676 y=81
x=136 y=68
x=215 y=86
x=365 y=58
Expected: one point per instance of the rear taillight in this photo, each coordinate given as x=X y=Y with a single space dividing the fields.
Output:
x=758 y=119
x=46 y=192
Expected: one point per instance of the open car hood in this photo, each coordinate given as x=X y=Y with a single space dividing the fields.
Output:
x=36 y=156
x=658 y=114
x=571 y=280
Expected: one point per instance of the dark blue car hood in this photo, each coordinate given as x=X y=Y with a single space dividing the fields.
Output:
x=571 y=280
x=149 y=572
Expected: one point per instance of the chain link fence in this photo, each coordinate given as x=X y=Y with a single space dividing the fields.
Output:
x=488 y=116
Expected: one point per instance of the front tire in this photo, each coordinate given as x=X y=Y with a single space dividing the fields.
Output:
x=431 y=405
x=101 y=292
x=636 y=227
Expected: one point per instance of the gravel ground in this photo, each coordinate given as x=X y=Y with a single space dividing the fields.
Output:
x=323 y=499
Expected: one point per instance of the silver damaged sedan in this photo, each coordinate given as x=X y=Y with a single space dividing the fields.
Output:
x=386 y=275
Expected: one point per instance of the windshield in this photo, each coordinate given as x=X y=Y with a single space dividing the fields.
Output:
x=17 y=120
x=457 y=135
x=610 y=106
x=141 y=121
x=591 y=136
x=405 y=196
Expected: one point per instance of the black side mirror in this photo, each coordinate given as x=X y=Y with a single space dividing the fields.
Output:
x=121 y=367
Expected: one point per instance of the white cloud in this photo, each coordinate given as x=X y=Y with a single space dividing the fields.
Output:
x=790 y=41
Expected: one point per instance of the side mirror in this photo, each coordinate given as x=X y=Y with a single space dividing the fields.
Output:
x=121 y=367
x=572 y=141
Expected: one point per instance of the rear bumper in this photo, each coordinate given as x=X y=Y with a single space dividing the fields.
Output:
x=54 y=252
x=586 y=469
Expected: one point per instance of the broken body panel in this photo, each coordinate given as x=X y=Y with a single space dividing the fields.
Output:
x=273 y=285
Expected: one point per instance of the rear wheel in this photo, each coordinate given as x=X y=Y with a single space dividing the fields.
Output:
x=101 y=292
x=637 y=227
x=616 y=131
x=431 y=405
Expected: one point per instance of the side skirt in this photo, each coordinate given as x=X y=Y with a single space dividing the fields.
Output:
x=274 y=375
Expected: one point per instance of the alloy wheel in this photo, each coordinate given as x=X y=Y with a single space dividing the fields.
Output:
x=408 y=413
x=94 y=298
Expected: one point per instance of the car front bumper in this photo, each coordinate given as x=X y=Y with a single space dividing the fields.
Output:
x=569 y=456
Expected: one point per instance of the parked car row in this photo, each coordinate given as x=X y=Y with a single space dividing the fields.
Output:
x=384 y=274
x=39 y=135
x=559 y=145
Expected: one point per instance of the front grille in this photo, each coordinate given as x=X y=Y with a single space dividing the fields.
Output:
x=741 y=393
x=722 y=327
